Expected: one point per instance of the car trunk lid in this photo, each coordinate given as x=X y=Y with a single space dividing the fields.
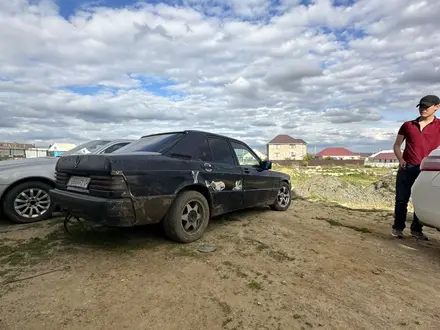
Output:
x=97 y=175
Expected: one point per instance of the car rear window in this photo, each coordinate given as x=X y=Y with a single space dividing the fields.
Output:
x=154 y=143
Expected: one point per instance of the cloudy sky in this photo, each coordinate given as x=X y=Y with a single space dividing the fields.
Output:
x=332 y=72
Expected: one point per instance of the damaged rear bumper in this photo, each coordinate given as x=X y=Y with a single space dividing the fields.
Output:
x=122 y=212
x=111 y=212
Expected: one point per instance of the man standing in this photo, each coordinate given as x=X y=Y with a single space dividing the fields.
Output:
x=422 y=135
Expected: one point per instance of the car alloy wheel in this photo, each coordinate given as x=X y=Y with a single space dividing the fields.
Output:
x=192 y=216
x=188 y=217
x=283 y=197
x=32 y=203
x=28 y=202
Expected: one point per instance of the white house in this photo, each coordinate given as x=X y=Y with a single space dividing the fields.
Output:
x=36 y=152
x=338 y=153
x=57 y=149
x=260 y=154
x=384 y=158
x=247 y=158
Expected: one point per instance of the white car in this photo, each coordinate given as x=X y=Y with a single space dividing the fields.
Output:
x=25 y=183
x=425 y=192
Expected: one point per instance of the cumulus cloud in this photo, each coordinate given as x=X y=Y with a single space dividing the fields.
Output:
x=288 y=75
x=252 y=69
x=424 y=74
x=344 y=116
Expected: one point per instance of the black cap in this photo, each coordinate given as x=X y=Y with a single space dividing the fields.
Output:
x=429 y=100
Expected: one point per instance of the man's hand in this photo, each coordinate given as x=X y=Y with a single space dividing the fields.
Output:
x=402 y=163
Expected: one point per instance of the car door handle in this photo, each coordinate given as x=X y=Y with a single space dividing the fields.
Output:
x=246 y=170
x=207 y=167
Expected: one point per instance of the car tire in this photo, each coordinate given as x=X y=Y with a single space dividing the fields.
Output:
x=283 y=199
x=12 y=205
x=197 y=217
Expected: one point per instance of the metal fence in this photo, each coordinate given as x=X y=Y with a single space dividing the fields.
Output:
x=14 y=153
x=320 y=162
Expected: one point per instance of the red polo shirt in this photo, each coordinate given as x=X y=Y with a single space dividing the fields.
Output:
x=419 y=144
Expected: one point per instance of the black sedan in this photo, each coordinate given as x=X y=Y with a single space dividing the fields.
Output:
x=181 y=179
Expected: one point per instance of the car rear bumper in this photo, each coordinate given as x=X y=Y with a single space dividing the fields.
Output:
x=425 y=199
x=111 y=212
x=123 y=212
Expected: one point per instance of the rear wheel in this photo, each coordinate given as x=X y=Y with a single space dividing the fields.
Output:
x=187 y=217
x=28 y=202
x=283 y=199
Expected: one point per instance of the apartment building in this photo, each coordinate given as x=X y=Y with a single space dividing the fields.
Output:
x=285 y=147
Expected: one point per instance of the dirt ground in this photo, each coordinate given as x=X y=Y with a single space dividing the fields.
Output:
x=319 y=265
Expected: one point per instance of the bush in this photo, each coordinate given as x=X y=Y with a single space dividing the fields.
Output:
x=308 y=157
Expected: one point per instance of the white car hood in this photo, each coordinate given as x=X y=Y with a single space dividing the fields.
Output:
x=13 y=164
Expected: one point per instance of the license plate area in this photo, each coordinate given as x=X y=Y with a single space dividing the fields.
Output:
x=79 y=182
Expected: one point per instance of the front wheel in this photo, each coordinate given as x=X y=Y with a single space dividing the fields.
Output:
x=283 y=199
x=28 y=202
x=187 y=218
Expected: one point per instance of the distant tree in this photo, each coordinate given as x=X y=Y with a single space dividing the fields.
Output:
x=308 y=157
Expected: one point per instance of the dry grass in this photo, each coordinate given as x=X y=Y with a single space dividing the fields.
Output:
x=348 y=186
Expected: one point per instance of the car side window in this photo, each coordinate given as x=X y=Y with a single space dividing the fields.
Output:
x=115 y=147
x=203 y=153
x=221 y=151
x=244 y=155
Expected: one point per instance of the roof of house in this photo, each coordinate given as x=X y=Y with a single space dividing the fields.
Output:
x=286 y=139
x=15 y=145
x=327 y=152
x=384 y=154
x=61 y=146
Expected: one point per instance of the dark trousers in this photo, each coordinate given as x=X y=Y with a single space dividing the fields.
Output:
x=404 y=181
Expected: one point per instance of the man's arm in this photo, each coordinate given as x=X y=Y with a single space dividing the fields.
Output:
x=398 y=144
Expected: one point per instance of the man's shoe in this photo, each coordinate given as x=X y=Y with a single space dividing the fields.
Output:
x=397 y=233
x=419 y=235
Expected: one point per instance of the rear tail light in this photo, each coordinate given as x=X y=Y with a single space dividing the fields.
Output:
x=113 y=183
x=100 y=185
x=430 y=163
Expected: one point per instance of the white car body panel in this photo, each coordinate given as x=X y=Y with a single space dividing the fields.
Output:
x=425 y=196
x=12 y=171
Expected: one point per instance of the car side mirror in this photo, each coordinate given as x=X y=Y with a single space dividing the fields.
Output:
x=266 y=165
